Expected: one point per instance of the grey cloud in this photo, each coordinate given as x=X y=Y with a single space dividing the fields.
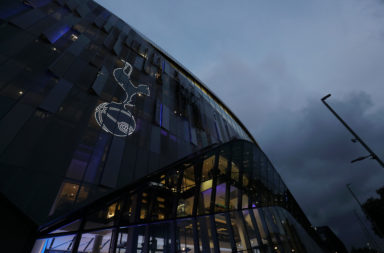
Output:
x=313 y=155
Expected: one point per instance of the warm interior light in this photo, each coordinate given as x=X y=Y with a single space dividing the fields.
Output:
x=74 y=37
x=111 y=211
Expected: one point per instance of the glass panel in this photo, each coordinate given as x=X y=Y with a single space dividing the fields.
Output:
x=102 y=218
x=223 y=235
x=235 y=172
x=144 y=206
x=59 y=244
x=270 y=221
x=250 y=229
x=65 y=198
x=244 y=201
x=188 y=179
x=233 y=197
x=261 y=226
x=130 y=208
x=161 y=207
x=160 y=238
x=207 y=171
x=185 y=207
x=239 y=233
x=223 y=164
x=98 y=241
x=245 y=180
x=184 y=236
x=122 y=240
x=205 y=197
x=220 y=197
x=73 y=226
x=205 y=234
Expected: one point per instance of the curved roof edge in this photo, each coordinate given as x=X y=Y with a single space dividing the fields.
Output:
x=192 y=76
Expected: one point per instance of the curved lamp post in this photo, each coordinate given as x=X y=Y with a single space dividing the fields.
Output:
x=372 y=154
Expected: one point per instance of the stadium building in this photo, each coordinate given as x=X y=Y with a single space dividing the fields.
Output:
x=108 y=144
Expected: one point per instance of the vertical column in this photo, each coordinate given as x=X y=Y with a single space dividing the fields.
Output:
x=97 y=243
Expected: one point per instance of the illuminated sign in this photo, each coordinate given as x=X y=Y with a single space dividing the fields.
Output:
x=115 y=118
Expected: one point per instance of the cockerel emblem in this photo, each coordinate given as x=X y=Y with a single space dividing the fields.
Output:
x=115 y=118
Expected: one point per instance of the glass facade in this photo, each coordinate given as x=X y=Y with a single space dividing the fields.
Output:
x=87 y=105
x=196 y=205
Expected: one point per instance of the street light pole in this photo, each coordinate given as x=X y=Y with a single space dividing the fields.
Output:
x=357 y=138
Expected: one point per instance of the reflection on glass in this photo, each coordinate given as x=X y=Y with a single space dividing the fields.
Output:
x=144 y=206
x=65 y=198
x=161 y=207
x=184 y=236
x=185 y=207
x=130 y=208
x=220 y=197
x=235 y=172
x=245 y=180
x=59 y=244
x=239 y=232
x=160 y=237
x=244 y=201
x=223 y=235
x=261 y=226
x=188 y=179
x=122 y=240
x=233 y=197
x=83 y=194
x=250 y=229
x=96 y=241
x=103 y=217
x=205 y=234
x=223 y=164
x=205 y=198
x=207 y=170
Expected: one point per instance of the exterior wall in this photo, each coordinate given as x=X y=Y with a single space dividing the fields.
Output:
x=57 y=63
x=227 y=198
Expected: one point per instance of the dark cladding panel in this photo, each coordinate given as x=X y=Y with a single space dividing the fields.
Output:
x=82 y=9
x=71 y=4
x=61 y=65
x=165 y=117
x=110 y=22
x=112 y=166
x=56 y=97
x=9 y=8
x=8 y=71
x=13 y=121
x=78 y=46
x=101 y=19
x=15 y=40
x=119 y=44
x=100 y=81
x=27 y=19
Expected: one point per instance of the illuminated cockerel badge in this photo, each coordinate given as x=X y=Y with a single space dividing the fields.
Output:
x=115 y=118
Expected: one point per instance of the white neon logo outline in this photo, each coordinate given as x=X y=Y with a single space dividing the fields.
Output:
x=103 y=109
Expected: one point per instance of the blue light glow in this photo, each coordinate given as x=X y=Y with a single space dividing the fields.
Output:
x=45 y=246
x=58 y=34
x=161 y=115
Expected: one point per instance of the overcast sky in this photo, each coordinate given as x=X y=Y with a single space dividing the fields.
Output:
x=271 y=62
